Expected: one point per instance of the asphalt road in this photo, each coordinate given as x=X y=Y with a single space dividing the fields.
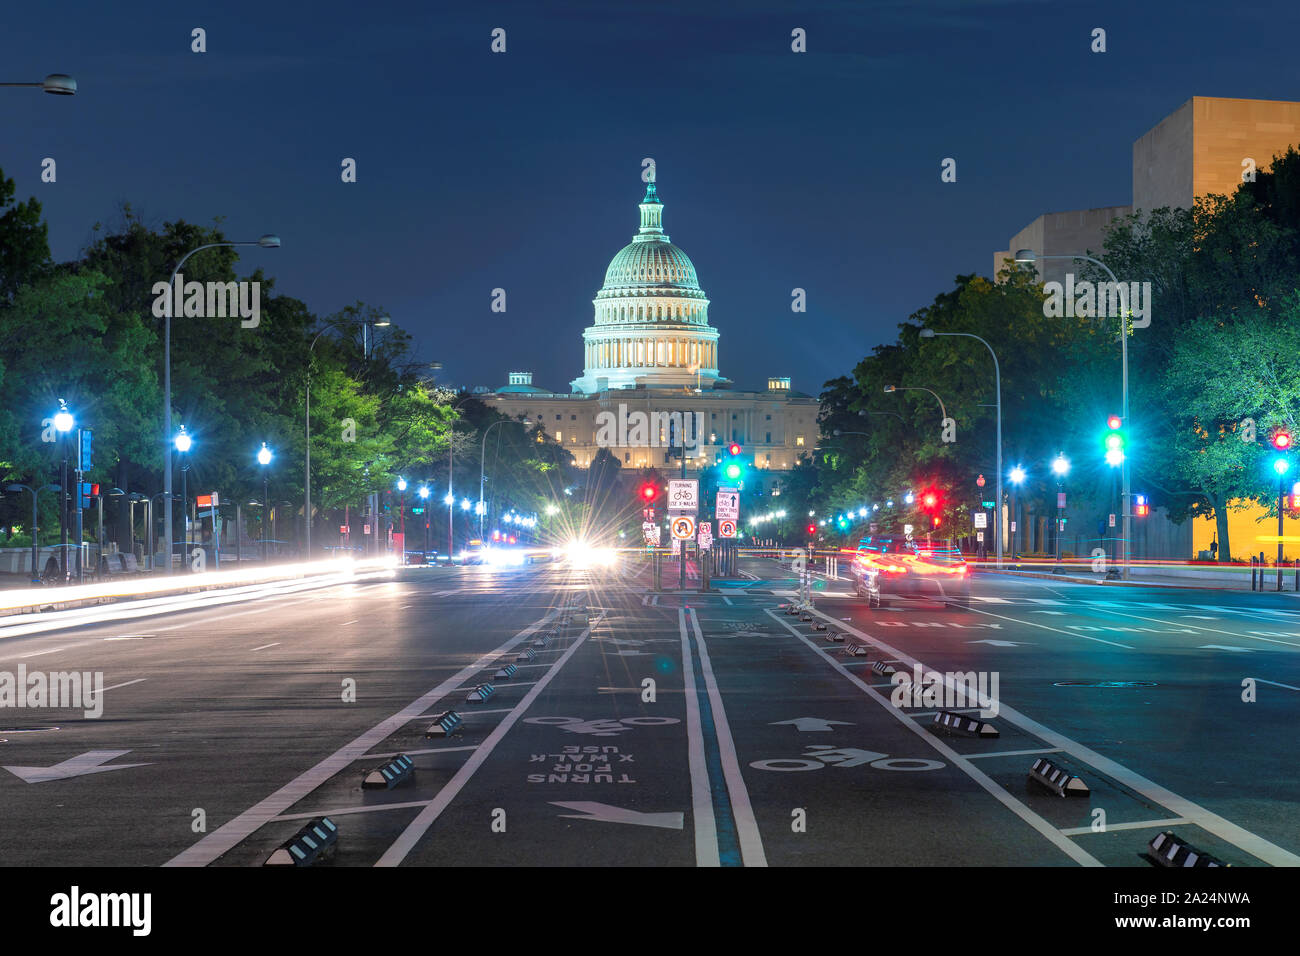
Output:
x=664 y=729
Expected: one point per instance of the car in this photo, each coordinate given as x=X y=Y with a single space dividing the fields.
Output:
x=473 y=552
x=888 y=566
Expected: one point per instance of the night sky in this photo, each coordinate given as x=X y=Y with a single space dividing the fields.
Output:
x=522 y=170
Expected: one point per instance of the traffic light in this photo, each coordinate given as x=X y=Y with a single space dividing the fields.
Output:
x=1140 y=507
x=1280 y=439
x=649 y=492
x=1114 y=442
x=733 y=469
x=88 y=492
x=812 y=530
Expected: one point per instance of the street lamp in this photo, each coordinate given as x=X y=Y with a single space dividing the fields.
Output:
x=997 y=381
x=1060 y=468
x=60 y=84
x=1030 y=257
x=183 y=444
x=36 y=571
x=63 y=424
x=264 y=457
x=266 y=242
x=424 y=498
x=890 y=389
x=401 y=510
x=1017 y=476
x=482 y=460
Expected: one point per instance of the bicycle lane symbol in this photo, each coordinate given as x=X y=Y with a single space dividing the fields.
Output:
x=817 y=756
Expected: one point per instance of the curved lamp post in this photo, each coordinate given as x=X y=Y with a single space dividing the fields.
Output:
x=266 y=242
x=60 y=84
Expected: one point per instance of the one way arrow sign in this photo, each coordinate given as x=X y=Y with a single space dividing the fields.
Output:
x=806 y=724
x=604 y=813
x=88 y=762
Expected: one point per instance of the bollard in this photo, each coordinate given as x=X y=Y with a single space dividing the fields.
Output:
x=655 y=564
x=1252 y=572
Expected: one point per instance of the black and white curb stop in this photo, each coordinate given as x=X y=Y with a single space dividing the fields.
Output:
x=481 y=692
x=882 y=669
x=399 y=770
x=1057 y=779
x=314 y=843
x=539 y=642
x=444 y=724
x=819 y=626
x=507 y=672
x=963 y=725
x=527 y=654
x=1170 y=850
x=855 y=649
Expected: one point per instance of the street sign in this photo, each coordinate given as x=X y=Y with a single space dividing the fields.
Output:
x=677 y=545
x=1112 y=521
x=979 y=535
x=1013 y=524
x=367 y=529
x=987 y=504
x=343 y=529
x=683 y=496
x=726 y=528
x=208 y=501
x=907 y=530
x=683 y=527
x=706 y=535
x=981 y=520
x=648 y=514
x=727 y=505
x=1060 y=499
x=651 y=532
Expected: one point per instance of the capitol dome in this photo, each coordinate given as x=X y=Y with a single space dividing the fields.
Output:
x=651 y=325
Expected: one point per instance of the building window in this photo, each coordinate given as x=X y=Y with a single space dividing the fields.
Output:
x=627 y=457
x=557 y=418
x=799 y=441
x=769 y=418
x=769 y=464
x=573 y=418
x=559 y=436
x=769 y=441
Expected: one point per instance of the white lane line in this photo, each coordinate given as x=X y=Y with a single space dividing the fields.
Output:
x=228 y=617
x=126 y=683
x=52 y=650
x=346 y=623
x=233 y=832
x=340 y=811
x=1260 y=680
x=751 y=842
x=997 y=792
x=1048 y=627
x=424 y=750
x=726 y=600
x=416 y=829
x=1016 y=753
x=1133 y=825
x=124 y=638
x=990 y=600
x=1209 y=630
x=502 y=684
x=265 y=646
x=706 y=826
x=1205 y=819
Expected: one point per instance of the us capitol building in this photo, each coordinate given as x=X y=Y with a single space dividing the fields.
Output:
x=650 y=349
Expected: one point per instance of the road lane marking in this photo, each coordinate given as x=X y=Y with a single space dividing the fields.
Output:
x=1133 y=825
x=727 y=600
x=702 y=818
x=1014 y=753
x=346 y=623
x=125 y=684
x=342 y=810
x=1260 y=680
x=235 y=831
x=1223 y=828
x=265 y=646
x=1048 y=627
x=402 y=846
x=409 y=753
x=999 y=793
x=751 y=843
x=1249 y=636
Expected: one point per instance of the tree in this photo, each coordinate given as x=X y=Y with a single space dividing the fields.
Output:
x=24 y=242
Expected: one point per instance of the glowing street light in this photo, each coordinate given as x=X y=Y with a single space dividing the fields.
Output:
x=1060 y=466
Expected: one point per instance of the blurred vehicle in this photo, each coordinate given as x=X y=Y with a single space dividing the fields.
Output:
x=473 y=552
x=893 y=567
x=422 y=557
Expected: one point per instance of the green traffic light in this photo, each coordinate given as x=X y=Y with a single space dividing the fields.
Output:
x=733 y=471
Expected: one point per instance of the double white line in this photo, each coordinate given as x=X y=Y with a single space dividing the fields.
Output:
x=706 y=825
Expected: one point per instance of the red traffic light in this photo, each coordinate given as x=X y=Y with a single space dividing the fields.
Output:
x=1281 y=439
x=1114 y=422
x=649 y=492
x=733 y=449
x=929 y=500
x=812 y=529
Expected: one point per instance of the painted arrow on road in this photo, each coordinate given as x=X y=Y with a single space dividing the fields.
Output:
x=1222 y=647
x=998 y=643
x=88 y=762
x=604 y=813
x=806 y=724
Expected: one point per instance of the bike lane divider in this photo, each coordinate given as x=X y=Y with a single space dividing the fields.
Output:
x=590 y=770
x=234 y=832
x=1118 y=778
x=835 y=780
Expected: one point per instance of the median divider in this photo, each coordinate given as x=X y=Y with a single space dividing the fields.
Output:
x=314 y=843
x=962 y=725
x=1057 y=779
x=480 y=693
x=445 y=724
x=1167 y=849
x=399 y=770
x=507 y=672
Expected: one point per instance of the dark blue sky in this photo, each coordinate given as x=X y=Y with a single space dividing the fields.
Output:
x=522 y=170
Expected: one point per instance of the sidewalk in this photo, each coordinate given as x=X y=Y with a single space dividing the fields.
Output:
x=1226 y=578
